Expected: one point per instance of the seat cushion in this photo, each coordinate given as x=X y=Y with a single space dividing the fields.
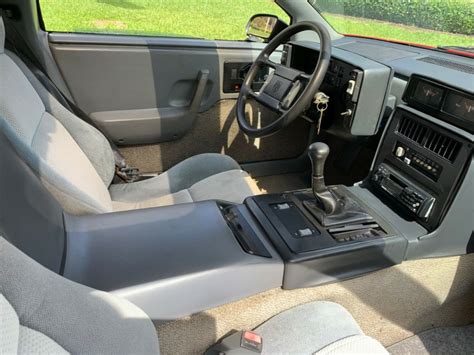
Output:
x=311 y=328
x=202 y=177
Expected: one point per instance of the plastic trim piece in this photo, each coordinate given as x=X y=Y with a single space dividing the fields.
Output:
x=158 y=257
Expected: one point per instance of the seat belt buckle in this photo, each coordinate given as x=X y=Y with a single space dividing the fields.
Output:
x=129 y=173
x=251 y=341
x=238 y=343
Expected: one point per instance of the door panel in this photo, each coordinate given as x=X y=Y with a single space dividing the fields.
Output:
x=140 y=91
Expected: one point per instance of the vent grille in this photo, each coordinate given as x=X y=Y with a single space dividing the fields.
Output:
x=443 y=146
x=412 y=130
x=438 y=143
x=465 y=68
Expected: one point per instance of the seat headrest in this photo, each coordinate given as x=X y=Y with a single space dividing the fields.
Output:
x=2 y=35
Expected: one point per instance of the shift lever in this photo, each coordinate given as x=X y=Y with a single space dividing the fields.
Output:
x=318 y=153
x=331 y=207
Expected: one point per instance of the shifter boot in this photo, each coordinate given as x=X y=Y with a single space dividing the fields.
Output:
x=347 y=211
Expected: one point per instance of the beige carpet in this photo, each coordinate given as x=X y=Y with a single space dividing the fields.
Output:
x=390 y=305
x=438 y=341
x=217 y=131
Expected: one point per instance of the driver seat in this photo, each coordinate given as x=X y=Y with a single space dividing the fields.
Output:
x=75 y=162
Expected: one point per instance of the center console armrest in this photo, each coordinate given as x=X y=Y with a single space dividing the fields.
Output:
x=171 y=261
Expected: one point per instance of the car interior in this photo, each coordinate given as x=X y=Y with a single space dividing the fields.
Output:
x=299 y=192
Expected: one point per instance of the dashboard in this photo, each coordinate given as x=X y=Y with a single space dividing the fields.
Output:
x=357 y=89
x=427 y=146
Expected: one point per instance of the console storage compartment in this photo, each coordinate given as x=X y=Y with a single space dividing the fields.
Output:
x=171 y=261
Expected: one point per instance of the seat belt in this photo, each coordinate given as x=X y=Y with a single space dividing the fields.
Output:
x=122 y=170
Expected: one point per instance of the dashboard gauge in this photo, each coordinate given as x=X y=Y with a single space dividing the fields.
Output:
x=428 y=94
x=459 y=106
x=449 y=104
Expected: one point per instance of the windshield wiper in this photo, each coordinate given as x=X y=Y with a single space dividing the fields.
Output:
x=457 y=48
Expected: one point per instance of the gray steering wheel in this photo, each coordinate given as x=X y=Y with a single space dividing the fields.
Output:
x=287 y=91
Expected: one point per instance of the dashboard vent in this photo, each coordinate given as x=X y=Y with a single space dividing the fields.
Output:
x=444 y=146
x=465 y=68
x=412 y=130
x=438 y=143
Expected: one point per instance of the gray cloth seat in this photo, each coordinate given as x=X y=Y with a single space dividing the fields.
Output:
x=316 y=328
x=43 y=313
x=202 y=177
x=75 y=162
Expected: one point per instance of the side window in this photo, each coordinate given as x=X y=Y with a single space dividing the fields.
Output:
x=209 y=19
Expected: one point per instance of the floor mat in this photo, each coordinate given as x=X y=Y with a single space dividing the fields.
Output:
x=448 y=340
x=287 y=182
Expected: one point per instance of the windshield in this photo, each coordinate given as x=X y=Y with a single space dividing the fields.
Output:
x=424 y=22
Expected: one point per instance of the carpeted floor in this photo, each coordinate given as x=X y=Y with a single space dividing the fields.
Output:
x=390 y=305
x=442 y=341
x=217 y=131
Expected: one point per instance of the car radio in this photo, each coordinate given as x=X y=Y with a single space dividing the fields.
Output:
x=412 y=197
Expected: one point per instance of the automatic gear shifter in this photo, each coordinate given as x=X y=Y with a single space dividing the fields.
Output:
x=329 y=208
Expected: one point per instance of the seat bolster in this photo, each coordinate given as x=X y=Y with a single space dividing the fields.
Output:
x=307 y=329
x=90 y=140
x=180 y=177
x=356 y=344
x=232 y=186
x=80 y=319
x=182 y=196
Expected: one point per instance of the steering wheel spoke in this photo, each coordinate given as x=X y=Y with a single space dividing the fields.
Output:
x=304 y=76
x=265 y=61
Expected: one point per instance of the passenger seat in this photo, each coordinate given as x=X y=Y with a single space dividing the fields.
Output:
x=43 y=313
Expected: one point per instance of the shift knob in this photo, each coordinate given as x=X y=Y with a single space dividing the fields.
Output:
x=318 y=153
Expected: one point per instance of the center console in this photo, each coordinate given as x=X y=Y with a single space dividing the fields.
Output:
x=326 y=233
x=333 y=233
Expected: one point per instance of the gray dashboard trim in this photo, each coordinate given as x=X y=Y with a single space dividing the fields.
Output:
x=373 y=95
x=409 y=64
x=453 y=235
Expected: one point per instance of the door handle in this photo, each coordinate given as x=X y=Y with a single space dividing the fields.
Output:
x=202 y=79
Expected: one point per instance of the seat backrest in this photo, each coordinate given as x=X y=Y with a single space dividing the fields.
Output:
x=44 y=313
x=72 y=159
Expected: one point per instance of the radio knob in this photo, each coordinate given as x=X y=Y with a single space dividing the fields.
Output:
x=400 y=152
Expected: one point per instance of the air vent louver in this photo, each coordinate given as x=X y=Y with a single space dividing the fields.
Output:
x=438 y=143
x=412 y=130
x=443 y=146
